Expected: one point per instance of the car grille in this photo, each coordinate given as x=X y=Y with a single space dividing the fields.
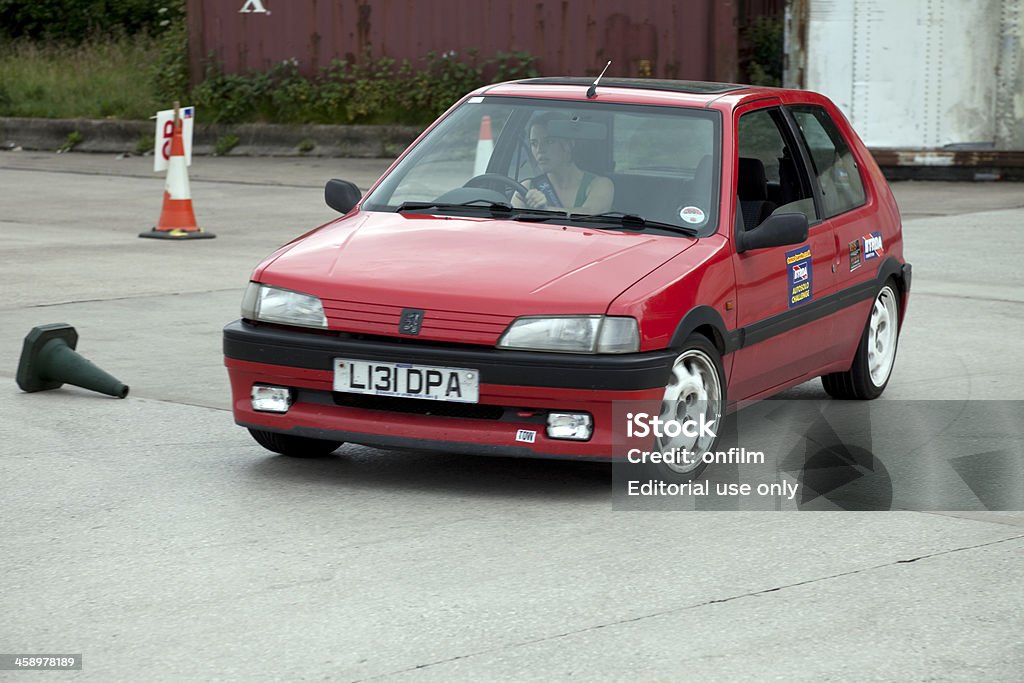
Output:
x=381 y=319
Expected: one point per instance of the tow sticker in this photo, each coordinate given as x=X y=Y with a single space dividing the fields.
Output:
x=798 y=272
x=526 y=436
x=692 y=215
x=872 y=245
x=855 y=255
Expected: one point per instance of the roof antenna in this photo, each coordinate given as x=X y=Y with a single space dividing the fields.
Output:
x=592 y=91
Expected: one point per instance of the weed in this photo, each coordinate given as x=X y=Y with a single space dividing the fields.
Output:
x=144 y=145
x=224 y=144
x=73 y=139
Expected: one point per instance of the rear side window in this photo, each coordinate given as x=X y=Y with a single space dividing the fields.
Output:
x=835 y=167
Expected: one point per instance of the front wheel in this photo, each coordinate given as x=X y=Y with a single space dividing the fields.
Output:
x=694 y=395
x=872 y=366
x=294 y=446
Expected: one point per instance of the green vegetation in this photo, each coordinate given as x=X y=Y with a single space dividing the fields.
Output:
x=766 y=37
x=224 y=144
x=132 y=78
x=374 y=90
x=92 y=80
x=71 y=22
x=144 y=144
x=73 y=140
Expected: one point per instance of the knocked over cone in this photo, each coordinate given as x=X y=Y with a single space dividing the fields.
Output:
x=48 y=360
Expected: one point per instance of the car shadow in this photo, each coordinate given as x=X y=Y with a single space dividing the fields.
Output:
x=361 y=467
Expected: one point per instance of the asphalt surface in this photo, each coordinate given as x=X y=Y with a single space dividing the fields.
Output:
x=153 y=537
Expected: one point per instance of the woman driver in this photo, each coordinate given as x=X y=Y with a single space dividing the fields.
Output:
x=562 y=185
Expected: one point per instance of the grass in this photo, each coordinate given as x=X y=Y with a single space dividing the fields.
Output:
x=101 y=79
x=224 y=144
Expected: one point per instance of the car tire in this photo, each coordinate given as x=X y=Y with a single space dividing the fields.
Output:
x=294 y=446
x=696 y=384
x=876 y=355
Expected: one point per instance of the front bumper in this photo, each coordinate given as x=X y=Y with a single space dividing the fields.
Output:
x=517 y=390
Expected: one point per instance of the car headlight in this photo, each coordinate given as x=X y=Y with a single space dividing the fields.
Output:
x=276 y=305
x=573 y=334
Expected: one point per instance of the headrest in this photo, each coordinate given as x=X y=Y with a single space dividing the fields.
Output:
x=752 y=185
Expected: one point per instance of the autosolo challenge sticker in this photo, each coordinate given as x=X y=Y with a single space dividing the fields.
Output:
x=798 y=269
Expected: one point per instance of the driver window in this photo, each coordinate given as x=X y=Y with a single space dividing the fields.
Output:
x=769 y=179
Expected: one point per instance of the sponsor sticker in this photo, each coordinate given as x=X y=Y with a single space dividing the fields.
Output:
x=692 y=215
x=872 y=245
x=526 y=436
x=855 y=262
x=798 y=272
x=165 y=131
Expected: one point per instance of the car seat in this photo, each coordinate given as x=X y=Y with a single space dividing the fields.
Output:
x=752 y=188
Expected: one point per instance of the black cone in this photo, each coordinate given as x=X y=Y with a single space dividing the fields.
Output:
x=49 y=360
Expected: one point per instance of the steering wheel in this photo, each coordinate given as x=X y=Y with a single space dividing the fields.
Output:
x=489 y=180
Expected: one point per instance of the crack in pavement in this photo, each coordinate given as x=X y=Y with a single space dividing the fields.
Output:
x=195 y=178
x=978 y=517
x=135 y=396
x=970 y=298
x=677 y=610
x=130 y=298
x=912 y=215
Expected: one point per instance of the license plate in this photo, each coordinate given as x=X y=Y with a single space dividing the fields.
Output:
x=460 y=385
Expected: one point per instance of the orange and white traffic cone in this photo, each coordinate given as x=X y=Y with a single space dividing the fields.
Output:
x=484 y=147
x=177 y=220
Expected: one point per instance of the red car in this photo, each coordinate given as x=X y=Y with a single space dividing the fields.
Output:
x=548 y=248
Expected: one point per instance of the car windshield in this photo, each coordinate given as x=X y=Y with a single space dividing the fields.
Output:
x=604 y=165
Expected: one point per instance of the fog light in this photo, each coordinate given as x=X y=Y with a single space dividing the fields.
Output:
x=574 y=426
x=269 y=399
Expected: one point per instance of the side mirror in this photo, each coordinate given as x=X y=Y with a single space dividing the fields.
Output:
x=776 y=231
x=341 y=195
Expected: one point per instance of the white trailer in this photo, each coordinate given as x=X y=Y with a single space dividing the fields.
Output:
x=929 y=79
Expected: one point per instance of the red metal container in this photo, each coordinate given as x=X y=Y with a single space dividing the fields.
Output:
x=692 y=39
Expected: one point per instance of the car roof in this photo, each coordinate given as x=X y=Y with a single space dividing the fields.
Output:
x=691 y=87
x=641 y=91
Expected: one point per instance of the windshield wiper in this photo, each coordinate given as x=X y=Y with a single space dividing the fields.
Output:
x=627 y=220
x=503 y=207
x=537 y=215
x=630 y=221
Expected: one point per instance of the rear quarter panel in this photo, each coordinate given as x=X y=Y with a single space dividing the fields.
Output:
x=878 y=216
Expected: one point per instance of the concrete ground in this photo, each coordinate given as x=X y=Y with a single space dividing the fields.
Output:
x=155 y=538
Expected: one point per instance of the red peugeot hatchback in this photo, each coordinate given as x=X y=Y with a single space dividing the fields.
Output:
x=548 y=248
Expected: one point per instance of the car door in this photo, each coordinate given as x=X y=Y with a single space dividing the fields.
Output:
x=781 y=335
